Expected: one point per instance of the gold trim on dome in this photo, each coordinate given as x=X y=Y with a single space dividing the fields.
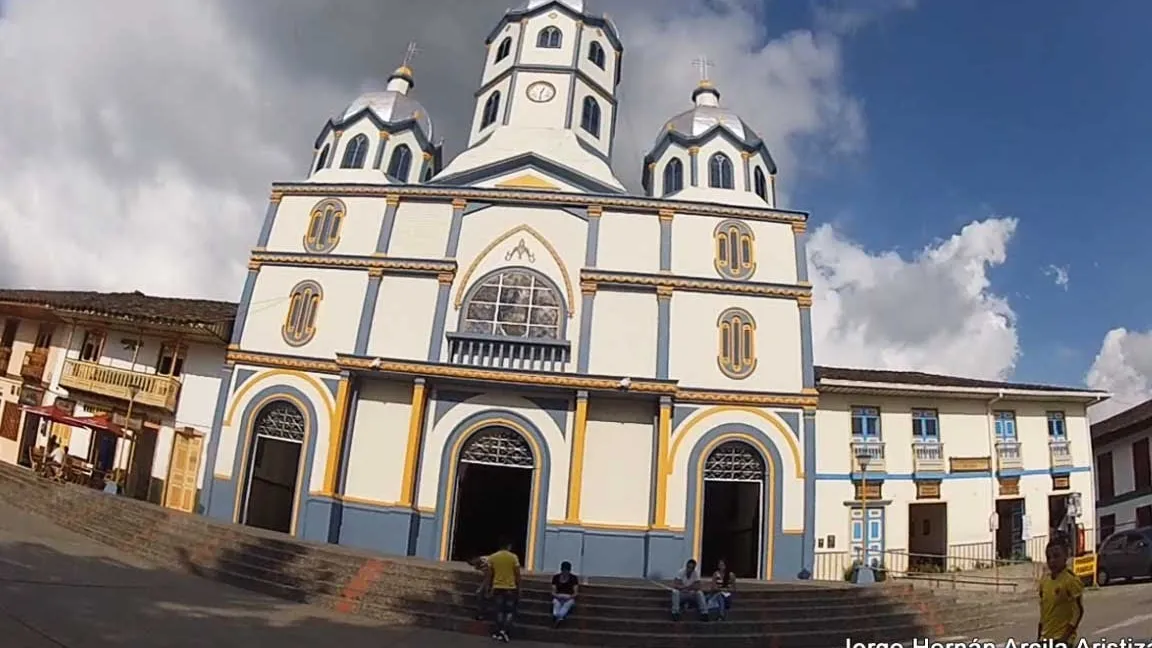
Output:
x=527 y=181
x=464 y=283
x=353 y=263
x=665 y=282
x=543 y=198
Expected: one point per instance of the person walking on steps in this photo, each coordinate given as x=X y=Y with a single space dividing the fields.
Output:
x=504 y=576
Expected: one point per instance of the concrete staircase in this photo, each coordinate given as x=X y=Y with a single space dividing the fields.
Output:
x=410 y=591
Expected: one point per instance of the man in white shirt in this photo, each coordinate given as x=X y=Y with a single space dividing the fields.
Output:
x=57 y=458
x=687 y=584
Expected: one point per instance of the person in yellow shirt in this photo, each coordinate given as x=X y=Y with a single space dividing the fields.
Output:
x=1061 y=592
x=504 y=576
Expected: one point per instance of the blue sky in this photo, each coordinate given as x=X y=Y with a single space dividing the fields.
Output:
x=1014 y=109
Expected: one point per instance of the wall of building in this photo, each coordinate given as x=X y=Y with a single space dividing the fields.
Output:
x=1127 y=495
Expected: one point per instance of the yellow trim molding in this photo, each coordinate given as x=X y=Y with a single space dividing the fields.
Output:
x=526 y=229
x=412 y=447
x=663 y=466
x=244 y=476
x=786 y=433
x=576 y=477
x=512 y=196
x=687 y=284
x=336 y=438
x=352 y=263
x=259 y=378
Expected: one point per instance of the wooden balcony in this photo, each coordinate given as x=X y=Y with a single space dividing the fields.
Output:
x=928 y=457
x=141 y=388
x=1059 y=453
x=34 y=364
x=1008 y=456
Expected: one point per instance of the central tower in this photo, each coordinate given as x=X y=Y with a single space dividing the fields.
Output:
x=548 y=89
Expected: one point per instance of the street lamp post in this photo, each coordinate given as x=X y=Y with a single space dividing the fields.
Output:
x=864 y=574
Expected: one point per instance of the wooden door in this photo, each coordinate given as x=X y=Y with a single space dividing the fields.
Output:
x=10 y=421
x=183 y=467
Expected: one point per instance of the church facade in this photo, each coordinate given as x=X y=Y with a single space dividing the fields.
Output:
x=431 y=354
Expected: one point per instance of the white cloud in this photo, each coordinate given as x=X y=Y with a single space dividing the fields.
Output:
x=933 y=312
x=1058 y=275
x=1123 y=367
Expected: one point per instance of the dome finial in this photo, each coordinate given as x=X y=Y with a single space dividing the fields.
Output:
x=401 y=79
x=705 y=93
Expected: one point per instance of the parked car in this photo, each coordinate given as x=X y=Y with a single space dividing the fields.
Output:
x=1126 y=554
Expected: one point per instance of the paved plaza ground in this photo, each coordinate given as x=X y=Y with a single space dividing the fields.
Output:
x=59 y=589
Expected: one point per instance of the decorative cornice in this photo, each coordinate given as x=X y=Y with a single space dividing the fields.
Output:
x=277 y=360
x=446 y=278
x=799 y=227
x=804 y=301
x=663 y=292
x=543 y=198
x=376 y=272
x=760 y=399
x=254 y=264
x=459 y=203
x=595 y=211
x=392 y=200
x=416 y=266
x=662 y=283
x=666 y=214
x=385 y=135
x=588 y=288
x=276 y=196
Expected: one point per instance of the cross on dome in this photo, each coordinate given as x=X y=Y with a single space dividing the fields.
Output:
x=705 y=93
x=703 y=64
x=410 y=54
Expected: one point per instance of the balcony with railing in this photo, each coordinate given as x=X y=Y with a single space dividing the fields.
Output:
x=1008 y=457
x=873 y=452
x=928 y=458
x=1060 y=454
x=140 y=388
x=529 y=354
x=34 y=364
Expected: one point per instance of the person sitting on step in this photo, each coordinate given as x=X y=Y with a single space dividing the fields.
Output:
x=720 y=598
x=504 y=573
x=484 y=589
x=687 y=584
x=565 y=586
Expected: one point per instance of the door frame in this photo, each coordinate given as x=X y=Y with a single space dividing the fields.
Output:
x=177 y=434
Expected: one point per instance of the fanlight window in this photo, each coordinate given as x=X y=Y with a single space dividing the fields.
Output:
x=515 y=303
x=280 y=420
x=760 y=184
x=491 y=110
x=497 y=446
x=735 y=250
x=737 y=332
x=322 y=159
x=303 y=304
x=549 y=38
x=734 y=461
x=720 y=172
x=400 y=163
x=596 y=54
x=590 y=117
x=355 y=152
x=673 y=176
x=504 y=49
x=324 y=226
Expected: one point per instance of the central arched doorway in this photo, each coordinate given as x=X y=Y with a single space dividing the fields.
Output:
x=277 y=443
x=493 y=494
x=732 y=529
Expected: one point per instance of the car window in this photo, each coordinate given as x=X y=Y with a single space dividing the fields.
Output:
x=1136 y=541
x=1115 y=543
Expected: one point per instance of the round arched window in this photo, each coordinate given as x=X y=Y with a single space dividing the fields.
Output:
x=516 y=303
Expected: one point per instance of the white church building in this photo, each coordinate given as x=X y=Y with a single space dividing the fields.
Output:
x=432 y=354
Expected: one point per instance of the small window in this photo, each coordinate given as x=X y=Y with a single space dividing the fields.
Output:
x=1115 y=543
x=11 y=325
x=1005 y=426
x=322 y=159
x=1105 y=480
x=300 y=321
x=735 y=250
x=355 y=152
x=92 y=346
x=491 y=110
x=1056 y=428
x=44 y=336
x=400 y=163
x=737 y=333
x=549 y=38
x=673 y=176
x=720 y=172
x=171 y=359
x=760 y=184
x=925 y=425
x=596 y=54
x=504 y=49
x=324 y=225
x=1141 y=465
x=866 y=422
x=590 y=117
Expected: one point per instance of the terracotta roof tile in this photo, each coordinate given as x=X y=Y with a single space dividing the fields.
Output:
x=920 y=378
x=131 y=306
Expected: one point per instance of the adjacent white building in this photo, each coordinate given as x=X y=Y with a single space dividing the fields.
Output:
x=1123 y=470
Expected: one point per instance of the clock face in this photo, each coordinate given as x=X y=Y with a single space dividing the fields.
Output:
x=541 y=91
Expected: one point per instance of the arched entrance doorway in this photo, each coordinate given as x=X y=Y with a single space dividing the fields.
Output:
x=732 y=529
x=273 y=471
x=493 y=494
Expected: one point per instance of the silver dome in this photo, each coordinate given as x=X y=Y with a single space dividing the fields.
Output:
x=707 y=114
x=392 y=106
x=574 y=5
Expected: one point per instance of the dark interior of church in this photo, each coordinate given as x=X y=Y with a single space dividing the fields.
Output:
x=731 y=527
x=492 y=502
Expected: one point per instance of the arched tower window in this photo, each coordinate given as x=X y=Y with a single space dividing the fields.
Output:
x=590 y=116
x=735 y=250
x=673 y=176
x=720 y=172
x=549 y=38
x=322 y=159
x=400 y=163
x=355 y=152
x=514 y=303
x=324 y=226
x=596 y=54
x=303 y=304
x=737 y=340
x=491 y=110
x=504 y=49
x=760 y=184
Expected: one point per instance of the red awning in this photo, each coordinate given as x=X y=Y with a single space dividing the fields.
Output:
x=56 y=415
